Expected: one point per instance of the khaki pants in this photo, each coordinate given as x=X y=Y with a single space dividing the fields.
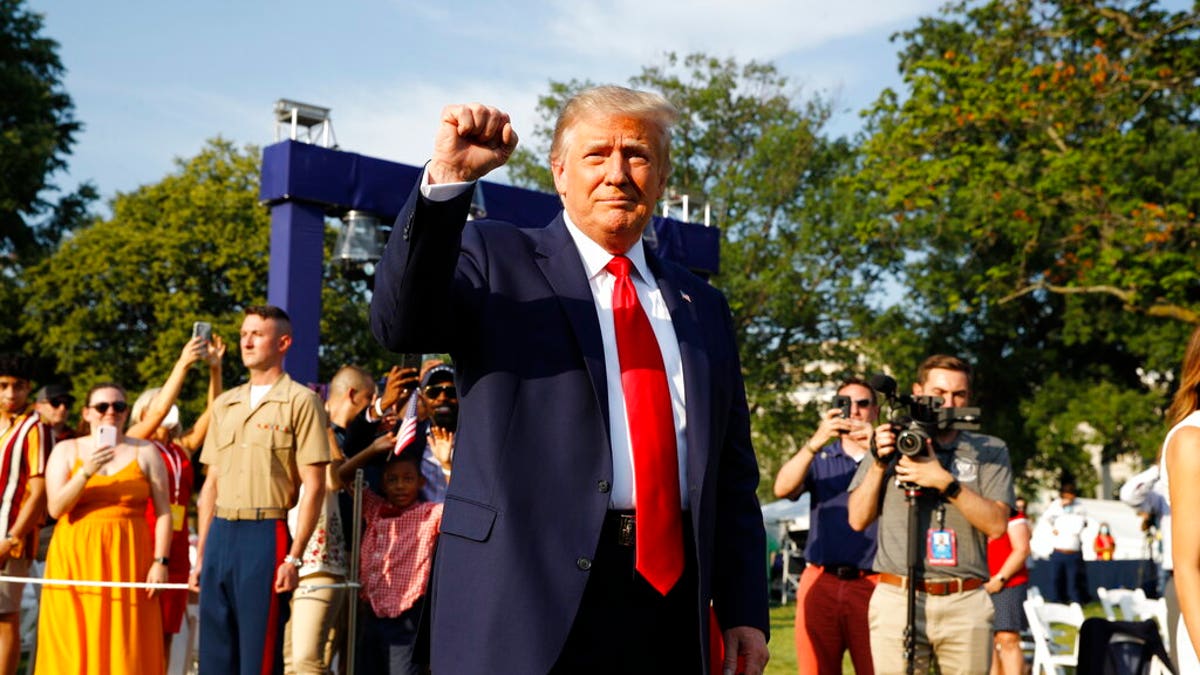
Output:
x=308 y=639
x=956 y=627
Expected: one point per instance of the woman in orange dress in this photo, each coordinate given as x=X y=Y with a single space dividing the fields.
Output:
x=97 y=486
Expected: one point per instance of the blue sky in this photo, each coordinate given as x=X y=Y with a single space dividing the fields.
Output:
x=152 y=81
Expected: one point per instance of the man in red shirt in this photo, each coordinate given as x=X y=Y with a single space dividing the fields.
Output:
x=25 y=443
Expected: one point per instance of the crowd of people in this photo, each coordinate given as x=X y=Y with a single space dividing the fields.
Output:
x=851 y=596
x=115 y=492
x=603 y=516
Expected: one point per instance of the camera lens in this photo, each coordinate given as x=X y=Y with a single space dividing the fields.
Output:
x=910 y=442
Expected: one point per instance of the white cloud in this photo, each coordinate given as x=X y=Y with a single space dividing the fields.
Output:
x=399 y=124
x=758 y=29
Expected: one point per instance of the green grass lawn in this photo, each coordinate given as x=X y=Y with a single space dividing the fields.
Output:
x=783 y=646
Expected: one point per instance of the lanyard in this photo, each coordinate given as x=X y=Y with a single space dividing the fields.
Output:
x=174 y=467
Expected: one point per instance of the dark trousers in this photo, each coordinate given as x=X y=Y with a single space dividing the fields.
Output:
x=385 y=645
x=624 y=625
x=1070 y=578
x=241 y=615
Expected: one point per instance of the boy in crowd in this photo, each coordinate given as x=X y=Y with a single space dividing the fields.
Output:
x=397 y=554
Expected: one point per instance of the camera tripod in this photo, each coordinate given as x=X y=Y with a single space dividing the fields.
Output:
x=912 y=494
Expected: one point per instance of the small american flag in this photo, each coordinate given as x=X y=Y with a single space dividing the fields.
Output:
x=408 y=426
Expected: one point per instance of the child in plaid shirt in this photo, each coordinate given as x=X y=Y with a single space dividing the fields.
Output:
x=397 y=549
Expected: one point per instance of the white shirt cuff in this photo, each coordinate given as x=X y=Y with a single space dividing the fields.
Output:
x=442 y=192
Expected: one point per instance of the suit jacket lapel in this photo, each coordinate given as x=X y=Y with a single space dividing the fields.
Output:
x=559 y=261
x=696 y=371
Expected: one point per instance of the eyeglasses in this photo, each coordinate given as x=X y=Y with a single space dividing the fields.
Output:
x=862 y=402
x=435 y=390
x=117 y=406
x=59 y=402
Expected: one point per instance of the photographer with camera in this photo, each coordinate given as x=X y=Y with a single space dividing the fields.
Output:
x=949 y=490
x=836 y=586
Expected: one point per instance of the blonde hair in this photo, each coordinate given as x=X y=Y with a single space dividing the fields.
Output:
x=1187 y=398
x=138 y=411
x=613 y=101
x=140 y=405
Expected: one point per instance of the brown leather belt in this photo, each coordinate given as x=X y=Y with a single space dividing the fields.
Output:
x=250 y=514
x=933 y=587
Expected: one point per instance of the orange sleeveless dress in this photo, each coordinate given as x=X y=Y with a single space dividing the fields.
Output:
x=101 y=631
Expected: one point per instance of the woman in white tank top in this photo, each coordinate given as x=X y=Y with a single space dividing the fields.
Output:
x=1181 y=471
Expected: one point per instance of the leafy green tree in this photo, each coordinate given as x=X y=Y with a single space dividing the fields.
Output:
x=795 y=267
x=117 y=300
x=1038 y=173
x=37 y=130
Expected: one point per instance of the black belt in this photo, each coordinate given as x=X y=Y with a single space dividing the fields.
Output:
x=843 y=572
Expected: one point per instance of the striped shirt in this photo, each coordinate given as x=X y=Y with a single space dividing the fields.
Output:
x=24 y=448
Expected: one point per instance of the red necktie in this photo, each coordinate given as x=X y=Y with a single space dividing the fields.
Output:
x=659 y=538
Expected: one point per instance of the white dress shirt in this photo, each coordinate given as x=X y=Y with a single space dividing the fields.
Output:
x=595 y=258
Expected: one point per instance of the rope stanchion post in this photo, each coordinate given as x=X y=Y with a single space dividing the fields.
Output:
x=355 y=554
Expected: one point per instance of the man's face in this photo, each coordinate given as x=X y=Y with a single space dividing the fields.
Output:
x=261 y=343
x=1068 y=498
x=360 y=399
x=441 y=402
x=952 y=386
x=862 y=403
x=54 y=412
x=610 y=175
x=14 y=393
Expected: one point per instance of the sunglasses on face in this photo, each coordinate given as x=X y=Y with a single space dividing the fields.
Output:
x=59 y=402
x=862 y=402
x=117 y=406
x=435 y=390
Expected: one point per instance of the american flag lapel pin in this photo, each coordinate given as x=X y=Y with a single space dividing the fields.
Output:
x=685 y=296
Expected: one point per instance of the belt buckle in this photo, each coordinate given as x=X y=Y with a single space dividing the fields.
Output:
x=626 y=530
x=845 y=572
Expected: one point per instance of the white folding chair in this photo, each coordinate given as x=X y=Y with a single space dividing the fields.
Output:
x=1145 y=608
x=1054 y=626
x=1111 y=598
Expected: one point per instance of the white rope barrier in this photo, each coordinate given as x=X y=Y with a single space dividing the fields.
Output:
x=302 y=588
x=98 y=584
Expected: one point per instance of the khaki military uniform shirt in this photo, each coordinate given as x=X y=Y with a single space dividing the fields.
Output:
x=257 y=450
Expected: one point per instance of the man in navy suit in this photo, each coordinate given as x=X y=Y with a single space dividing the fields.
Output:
x=546 y=563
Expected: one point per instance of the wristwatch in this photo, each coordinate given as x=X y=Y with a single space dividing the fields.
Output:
x=292 y=560
x=953 y=489
x=162 y=561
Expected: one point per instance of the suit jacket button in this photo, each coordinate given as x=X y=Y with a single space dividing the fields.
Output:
x=583 y=564
x=603 y=486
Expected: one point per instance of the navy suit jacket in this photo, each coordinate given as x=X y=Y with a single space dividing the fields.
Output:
x=533 y=467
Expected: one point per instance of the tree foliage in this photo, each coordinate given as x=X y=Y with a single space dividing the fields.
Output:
x=37 y=130
x=1039 y=176
x=117 y=300
x=793 y=264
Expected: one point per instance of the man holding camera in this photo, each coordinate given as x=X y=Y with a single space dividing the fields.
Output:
x=962 y=483
x=836 y=586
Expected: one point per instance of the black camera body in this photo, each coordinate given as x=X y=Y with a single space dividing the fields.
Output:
x=918 y=419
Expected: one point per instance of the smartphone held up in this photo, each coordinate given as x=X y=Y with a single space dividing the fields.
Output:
x=202 y=329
